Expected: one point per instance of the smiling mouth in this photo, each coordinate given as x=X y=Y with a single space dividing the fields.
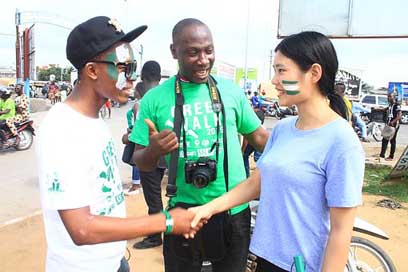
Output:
x=201 y=73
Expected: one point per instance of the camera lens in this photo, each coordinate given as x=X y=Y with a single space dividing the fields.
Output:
x=200 y=180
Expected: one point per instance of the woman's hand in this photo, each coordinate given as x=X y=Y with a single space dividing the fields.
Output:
x=202 y=215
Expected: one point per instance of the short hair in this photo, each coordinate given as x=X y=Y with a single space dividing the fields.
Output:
x=140 y=89
x=151 y=71
x=178 y=28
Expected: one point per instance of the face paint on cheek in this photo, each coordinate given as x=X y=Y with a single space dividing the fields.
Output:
x=112 y=70
x=291 y=87
x=123 y=53
x=121 y=82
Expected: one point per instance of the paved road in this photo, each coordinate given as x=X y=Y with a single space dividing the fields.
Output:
x=19 y=196
x=19 y=193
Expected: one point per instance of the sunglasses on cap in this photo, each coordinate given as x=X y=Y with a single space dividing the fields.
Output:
x=130 y=67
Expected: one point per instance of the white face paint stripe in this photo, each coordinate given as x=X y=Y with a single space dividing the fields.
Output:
x=122 y=53
x=290 y=87
x=121 y=82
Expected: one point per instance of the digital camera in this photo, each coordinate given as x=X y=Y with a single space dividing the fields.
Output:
x=201 y=172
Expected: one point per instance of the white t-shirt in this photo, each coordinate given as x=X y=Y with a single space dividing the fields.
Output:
x=78 y=167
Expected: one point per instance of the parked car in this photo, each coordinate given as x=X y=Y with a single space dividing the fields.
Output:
x=376 y=101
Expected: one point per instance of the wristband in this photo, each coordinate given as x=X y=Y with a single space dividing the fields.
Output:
x=169 y=222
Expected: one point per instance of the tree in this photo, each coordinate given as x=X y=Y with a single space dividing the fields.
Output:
x=44 y=74
x=366 y=88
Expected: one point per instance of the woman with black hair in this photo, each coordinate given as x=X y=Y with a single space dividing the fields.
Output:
x=310 y=175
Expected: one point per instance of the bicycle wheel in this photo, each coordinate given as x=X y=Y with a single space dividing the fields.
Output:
x=365 y=256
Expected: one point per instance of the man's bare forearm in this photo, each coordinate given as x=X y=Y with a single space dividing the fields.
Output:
x=144 y=158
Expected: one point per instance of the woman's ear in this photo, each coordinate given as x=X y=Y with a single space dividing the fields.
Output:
x=316 y=72
x=90 y=70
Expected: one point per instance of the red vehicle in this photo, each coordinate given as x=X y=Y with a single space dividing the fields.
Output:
x=25 y=132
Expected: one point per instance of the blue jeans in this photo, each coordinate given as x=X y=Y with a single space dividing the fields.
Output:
x=247 y=152
x=361 y=125
x=235 y=259
x=124 y=265
x=135 y=175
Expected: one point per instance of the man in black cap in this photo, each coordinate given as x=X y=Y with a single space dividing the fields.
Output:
x=81 y=190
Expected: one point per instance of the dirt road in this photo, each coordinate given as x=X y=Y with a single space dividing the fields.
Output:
x=23 y=245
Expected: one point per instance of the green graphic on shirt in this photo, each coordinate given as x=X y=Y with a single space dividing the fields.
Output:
x=110 y=187
x=55 y=184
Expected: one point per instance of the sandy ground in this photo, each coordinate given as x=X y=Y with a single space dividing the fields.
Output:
x=23 y=245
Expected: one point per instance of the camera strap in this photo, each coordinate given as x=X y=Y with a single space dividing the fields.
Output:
x=171 y=189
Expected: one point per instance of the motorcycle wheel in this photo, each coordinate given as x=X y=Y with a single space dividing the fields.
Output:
x=103 y=112
x=26 y=140
x=366 y=256
x=377 y=131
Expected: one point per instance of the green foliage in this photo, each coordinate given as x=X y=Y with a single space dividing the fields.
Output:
x=44 y=74
x=376 y=183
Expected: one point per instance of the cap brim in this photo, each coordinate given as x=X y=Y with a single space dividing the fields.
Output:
x=134 y=34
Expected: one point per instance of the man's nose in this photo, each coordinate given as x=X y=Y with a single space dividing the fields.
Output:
x=203 y=58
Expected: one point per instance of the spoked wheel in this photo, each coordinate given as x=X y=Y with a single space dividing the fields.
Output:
x=377 y=131
x=26 y=140
x=365 y=256
x=103 y=112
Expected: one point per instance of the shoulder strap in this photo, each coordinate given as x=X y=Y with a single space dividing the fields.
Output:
x=224 y=131
x=171 y=189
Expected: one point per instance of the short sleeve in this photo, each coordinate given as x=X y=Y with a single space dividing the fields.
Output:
x=247 y=121
x=345 y=174
x=140 y=131
x=65 y=177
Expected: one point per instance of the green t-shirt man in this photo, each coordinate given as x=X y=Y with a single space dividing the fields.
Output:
x=8 y=104
x=201 y=132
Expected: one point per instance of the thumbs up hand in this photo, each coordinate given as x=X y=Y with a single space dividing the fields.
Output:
x=163 y=142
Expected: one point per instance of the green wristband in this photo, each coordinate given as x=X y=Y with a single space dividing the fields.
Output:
x=169 y=222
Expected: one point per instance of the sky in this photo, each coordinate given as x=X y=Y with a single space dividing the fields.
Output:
x=376 y=61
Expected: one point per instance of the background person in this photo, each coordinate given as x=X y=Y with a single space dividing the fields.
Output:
x=310 y=175
x=393 y=118
x=22 y=112
x=151 y=180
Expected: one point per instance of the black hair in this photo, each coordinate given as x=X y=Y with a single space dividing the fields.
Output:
x=178 y=28
x=310 y=47
x=151 y=71
x=140 y=88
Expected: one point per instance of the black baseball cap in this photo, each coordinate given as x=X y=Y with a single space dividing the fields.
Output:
x=94 y=36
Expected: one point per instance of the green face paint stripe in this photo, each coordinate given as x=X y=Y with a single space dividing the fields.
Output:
x=112 y=70
x=290 y=82
x=292 y=92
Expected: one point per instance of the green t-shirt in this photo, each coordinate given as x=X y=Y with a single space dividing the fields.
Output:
x=130 y=117
x=201 y=133
x=8 y=104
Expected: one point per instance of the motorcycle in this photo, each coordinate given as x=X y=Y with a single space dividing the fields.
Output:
x=364 y=255
x=274 y=110
x=373 y=128
x=25 y=132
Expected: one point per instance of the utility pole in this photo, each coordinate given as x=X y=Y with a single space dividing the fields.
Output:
x=270 y=64
x=141 y=55
x=246 y=49
x=18 y=57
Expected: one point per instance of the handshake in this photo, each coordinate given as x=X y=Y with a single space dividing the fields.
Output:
x=189 y=222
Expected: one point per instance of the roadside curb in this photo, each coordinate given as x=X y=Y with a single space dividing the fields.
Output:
x=20 y=219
